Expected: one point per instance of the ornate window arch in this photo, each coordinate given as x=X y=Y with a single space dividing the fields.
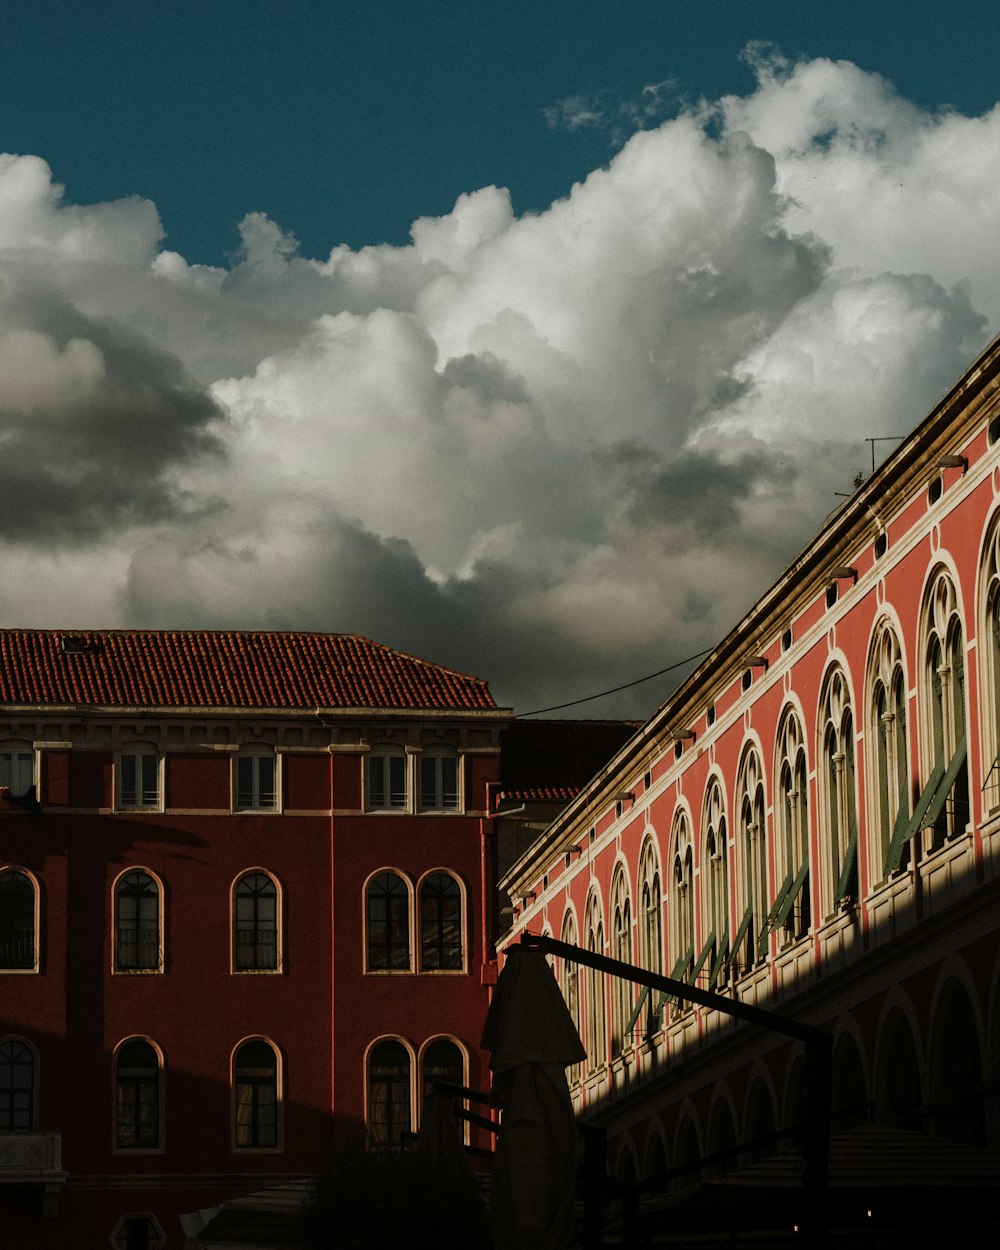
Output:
x=442 y=925
x=681 y=911
x=651 y=907
x=256 y=911
x=839 y=808
x=621 y=948
x=989 y=662
x=715 y=880
x=138 y=935
x=751 y=936
x=594 y=985
x=791 y=910
x=943 y=688
x=569 y=983
x=387 y=923
x=888 y=753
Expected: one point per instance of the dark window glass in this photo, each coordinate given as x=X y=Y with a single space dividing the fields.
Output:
x=388 y=1094
x=256 y=777
x=17 y=920
x=439 y=782
x=17 y=1086
x=17 y=771
x=442 y=1061
x=440 y=923
x=387 y=781
x=256 y=1096
x=388 y=923
x=137 y=933
x=139 y=779
x=256 y=919
x=138 y=1072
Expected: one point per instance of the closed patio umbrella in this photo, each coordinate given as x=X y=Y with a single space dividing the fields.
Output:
x=532 y=1039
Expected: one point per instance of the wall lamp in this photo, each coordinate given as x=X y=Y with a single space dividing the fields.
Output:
x=756 y=661
x=843 y=571
x=625 y=794
x=683 y=735
x=953 y=462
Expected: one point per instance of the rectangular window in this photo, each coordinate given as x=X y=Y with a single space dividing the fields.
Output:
x=17 y=771
x=256 y=783
x=139 y=779
x=439 y=782
x=387 y=782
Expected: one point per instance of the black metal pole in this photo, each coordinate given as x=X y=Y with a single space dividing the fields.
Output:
x=818 y=1066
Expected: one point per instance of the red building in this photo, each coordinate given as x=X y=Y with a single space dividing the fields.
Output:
x=240 y=924
x=811 y=823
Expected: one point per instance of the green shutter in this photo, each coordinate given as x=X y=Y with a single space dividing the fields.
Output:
x=721 y=957
x=634 y=1017
x=792 y=893
x=677 y=975
x=849 y=860
x=700 y=961
x=945 y=785
x=902 y=833
x=741 y=933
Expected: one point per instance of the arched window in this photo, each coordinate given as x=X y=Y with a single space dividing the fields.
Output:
x=255 y=924
x=621 y=948
x=18 y=912
x=442 y=1060
x=887 y=750
x=17 y=767
x=440 y=923
x=255 y=1096
x=389 y=1100
x=137 y=924
x=596 y=1040
x=137 y=1079
x=791 y=906
x=715 y=891
x=388 y=923
x=651 y=918
x=681 y=914
x=569 y=983
x=138 y=1232
x=751 y=937
x=17 y=1087
x=439 y=781
x=989 y=644
x=840 y=812
x=944 y=692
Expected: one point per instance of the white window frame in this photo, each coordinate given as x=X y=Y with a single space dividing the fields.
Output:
x=438 y=758
x=381 y=798
x=138 y=753
x=17 y=754
x=256 y=805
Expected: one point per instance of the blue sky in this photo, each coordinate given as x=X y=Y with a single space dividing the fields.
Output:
x=344 y=121
x=532 y=338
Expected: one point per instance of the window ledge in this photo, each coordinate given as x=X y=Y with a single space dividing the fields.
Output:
x=137 y=972
x=257 y=972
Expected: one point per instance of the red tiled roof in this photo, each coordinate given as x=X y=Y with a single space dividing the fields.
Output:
x=552 y=760
x=223 y=669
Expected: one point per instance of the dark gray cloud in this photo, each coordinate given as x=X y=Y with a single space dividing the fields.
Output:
x=93 y=422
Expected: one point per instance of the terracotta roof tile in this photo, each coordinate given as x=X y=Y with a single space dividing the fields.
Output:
x=223 y=669
x=552 y=760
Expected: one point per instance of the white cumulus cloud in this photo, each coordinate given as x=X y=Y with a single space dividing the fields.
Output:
x=560 y=450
